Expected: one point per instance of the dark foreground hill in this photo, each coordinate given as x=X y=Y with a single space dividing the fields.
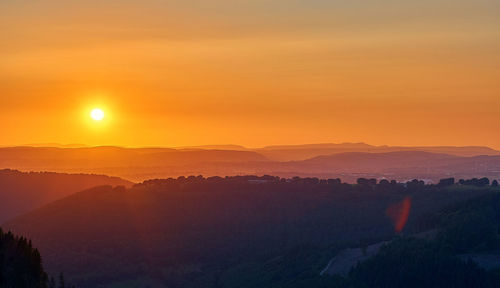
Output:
x=465 y=251
x=21 y=192
x=216 y=232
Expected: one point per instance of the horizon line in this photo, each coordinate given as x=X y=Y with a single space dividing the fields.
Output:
x=207 y=146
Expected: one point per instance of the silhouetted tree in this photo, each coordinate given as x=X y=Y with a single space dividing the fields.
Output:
x=335 y=181
x=52 y=283
x=476 y=182
x=369 y=182
x=61 y=281
x=384 y=182
x=484 y=182
x=446 y=182
x=20 y=263
x=417 y=263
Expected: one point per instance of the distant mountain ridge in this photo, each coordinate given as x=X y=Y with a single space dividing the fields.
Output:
x=303 y=152
x=401 y=165
x=306 y=151
x=347 y=161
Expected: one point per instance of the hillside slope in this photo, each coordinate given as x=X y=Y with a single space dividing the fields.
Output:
x=189 y=232
x=21 y=192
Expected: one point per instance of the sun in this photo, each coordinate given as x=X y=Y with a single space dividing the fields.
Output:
x=97 y=114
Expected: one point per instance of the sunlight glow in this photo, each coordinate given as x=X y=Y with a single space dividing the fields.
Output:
x=97 y=114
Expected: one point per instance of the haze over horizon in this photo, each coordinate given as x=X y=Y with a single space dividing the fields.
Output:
x=256 y=73
x=236 y=146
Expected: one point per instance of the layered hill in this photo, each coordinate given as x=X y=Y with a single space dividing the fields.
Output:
x=303 y=152
x=130 y=163
x=21 y=192
x=210 y=232
x=401 y=165
x=346 y=161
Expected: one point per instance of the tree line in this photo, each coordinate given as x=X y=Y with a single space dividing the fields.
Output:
x=21 y=265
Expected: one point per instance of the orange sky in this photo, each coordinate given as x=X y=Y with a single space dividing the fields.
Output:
x=250 y=72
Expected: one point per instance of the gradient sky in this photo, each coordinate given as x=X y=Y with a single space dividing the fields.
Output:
x=250 y=72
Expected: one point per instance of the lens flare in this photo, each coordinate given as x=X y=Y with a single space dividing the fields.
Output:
x=399 y=213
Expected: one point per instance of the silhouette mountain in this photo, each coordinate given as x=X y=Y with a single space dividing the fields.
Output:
x=185 y=232
x=139 y=164
x=21 y=192
x=130 y=163
x=303 y=152
x=214 y=147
